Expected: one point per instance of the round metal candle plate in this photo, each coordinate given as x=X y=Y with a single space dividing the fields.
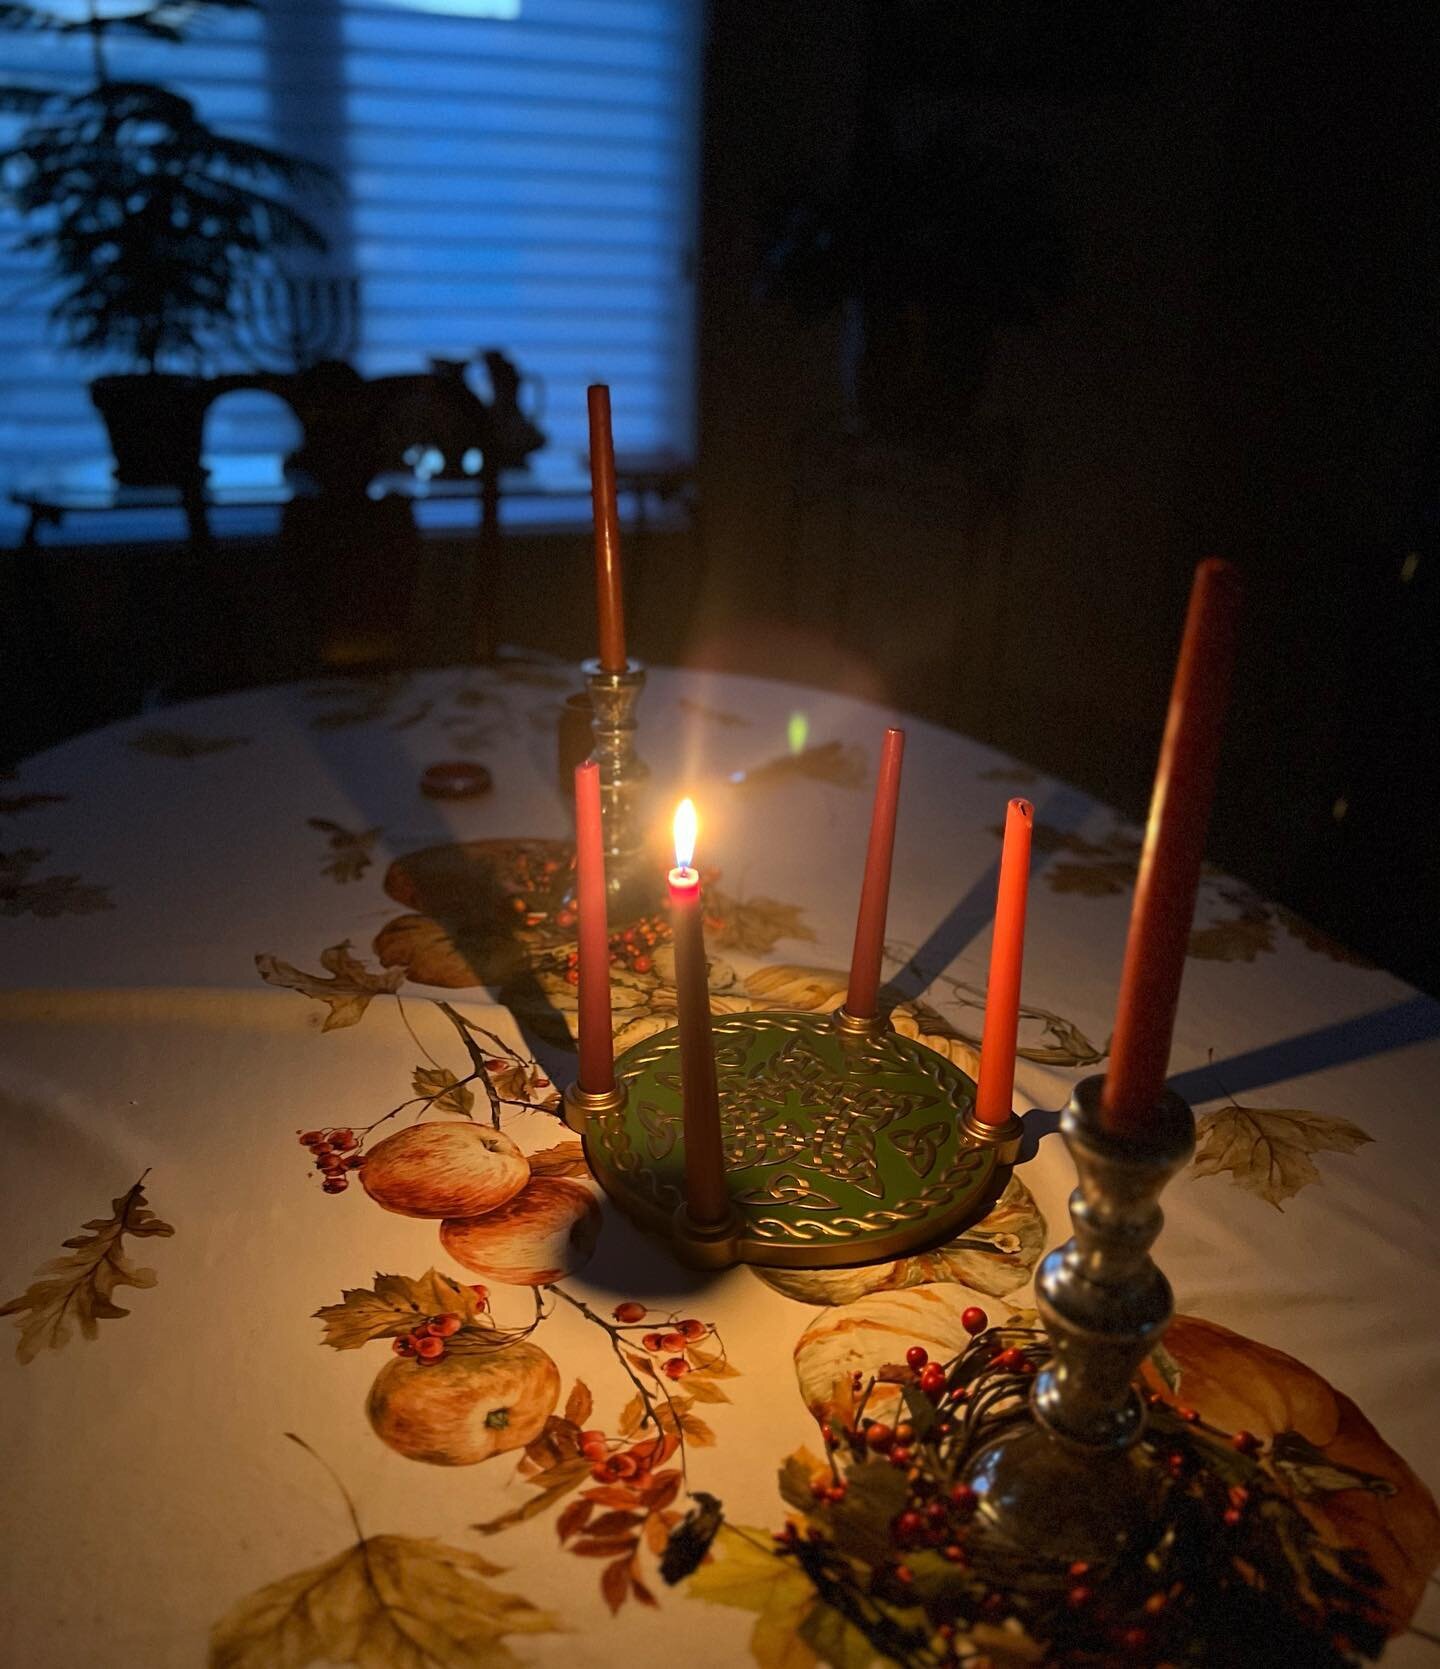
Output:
x=838 y=1150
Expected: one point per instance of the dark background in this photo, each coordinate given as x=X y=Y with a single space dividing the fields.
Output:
x=1010 y=312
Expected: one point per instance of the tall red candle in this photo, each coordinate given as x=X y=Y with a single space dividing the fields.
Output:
x=597 y=1042
x=706 y=1197
x=609 y=590
x=995 y=1092
x=863 y=993
x=1174 y=842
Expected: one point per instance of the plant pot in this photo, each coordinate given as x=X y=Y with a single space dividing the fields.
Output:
x=156 y=424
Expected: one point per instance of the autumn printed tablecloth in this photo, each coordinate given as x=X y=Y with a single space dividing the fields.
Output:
x=325 y=1348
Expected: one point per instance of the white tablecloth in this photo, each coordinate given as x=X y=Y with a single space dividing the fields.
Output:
x=150 y=1485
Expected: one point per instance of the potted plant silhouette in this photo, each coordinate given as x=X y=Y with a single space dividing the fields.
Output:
x=151 y=225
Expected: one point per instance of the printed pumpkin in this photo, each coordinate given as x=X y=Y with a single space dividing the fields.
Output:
x=1347 y=1480
x=469 y=1406
x=875 y=1332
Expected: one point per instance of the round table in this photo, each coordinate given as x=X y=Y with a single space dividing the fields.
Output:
x=238 y=922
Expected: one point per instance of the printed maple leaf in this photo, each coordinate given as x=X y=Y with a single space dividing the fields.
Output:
x=753 y=925
x=392 y=1306
x=451 y=1096
x=182 y=744
x=388 y=1602
x=347 y=993
x=1268 y=1151
x=80 y=1288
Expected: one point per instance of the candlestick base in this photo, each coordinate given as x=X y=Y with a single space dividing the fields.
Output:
x=1004 y=1138
x=838 y=1150
x=581 y=1105
x=858 y=1026
x=1062 y=1481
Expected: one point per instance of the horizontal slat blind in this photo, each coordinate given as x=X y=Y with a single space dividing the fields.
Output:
x=518 y=174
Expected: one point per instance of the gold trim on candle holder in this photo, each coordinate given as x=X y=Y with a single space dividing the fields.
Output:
x=854 y=1026
x=582 y=1104
x=1004 y=1138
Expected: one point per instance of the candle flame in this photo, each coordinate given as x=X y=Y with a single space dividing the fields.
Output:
x=685 y=825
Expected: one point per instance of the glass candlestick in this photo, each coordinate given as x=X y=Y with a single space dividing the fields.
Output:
x=613 y=697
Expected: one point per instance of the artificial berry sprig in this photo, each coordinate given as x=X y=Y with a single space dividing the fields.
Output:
x=1235 y=1572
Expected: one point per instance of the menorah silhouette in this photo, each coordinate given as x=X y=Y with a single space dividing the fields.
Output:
x=291 y=323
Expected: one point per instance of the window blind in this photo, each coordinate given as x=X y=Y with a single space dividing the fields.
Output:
x=517 y=174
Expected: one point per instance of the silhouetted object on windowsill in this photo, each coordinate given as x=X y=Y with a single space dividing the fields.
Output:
x=147 y=261
x=926 y=243
x=290 y=322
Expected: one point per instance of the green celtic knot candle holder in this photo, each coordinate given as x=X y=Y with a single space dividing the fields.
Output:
x=839 y=1146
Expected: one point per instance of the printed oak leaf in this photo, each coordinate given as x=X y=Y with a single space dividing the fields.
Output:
x=450 y=1095
x=392 y=1307
x=1268 y=1151
x=388 y=1602
x=80 y=1289
x=346 y=993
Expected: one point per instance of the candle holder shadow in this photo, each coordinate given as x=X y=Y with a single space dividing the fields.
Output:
x=839 y=1147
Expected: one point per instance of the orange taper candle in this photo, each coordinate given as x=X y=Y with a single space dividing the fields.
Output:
x=1174 y=843
x=996 y=1089
x=609 y=590
x=863 y=994
x=706 y=1197
x=597 y=1040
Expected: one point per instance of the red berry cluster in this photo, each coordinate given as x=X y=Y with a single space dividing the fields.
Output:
x=425 y=1342
x=671 y=1340
x=334 y=1153
x=531 y=883
x=630 y=947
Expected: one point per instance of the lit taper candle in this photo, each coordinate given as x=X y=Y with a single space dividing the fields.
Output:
x=706 y=1198
x=597 y=1042
x=863 y=994
x=996 y=1089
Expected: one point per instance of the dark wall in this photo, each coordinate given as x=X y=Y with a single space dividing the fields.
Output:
x=1242 y=361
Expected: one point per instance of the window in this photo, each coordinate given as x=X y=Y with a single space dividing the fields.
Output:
x=518 y=174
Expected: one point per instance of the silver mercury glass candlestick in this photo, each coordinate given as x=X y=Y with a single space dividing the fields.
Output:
x=1067 y=1483
x=613 y=696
